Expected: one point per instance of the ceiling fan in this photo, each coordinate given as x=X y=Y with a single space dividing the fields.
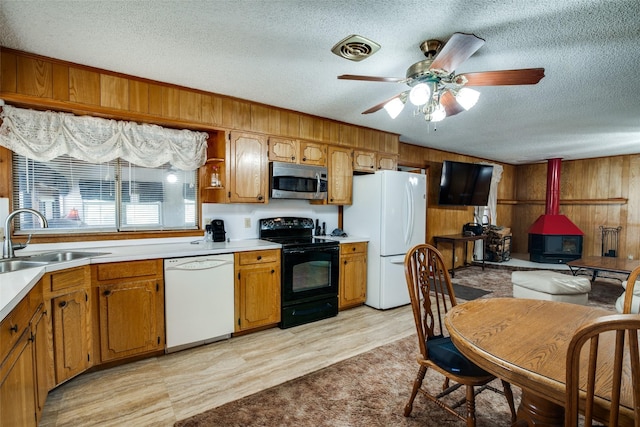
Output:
x=434 y=88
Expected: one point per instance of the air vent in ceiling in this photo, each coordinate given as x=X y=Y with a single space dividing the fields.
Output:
x=355 y=48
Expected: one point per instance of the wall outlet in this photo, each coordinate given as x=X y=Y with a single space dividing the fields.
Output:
x=456 y=258
x=630 y=257
x=247 y=223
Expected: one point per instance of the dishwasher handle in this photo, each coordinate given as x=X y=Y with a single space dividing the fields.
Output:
x=203 y=264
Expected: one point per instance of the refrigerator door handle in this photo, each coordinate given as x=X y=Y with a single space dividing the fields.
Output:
x=408 y=232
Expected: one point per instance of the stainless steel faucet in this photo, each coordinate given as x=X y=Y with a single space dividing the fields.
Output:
x=7 y=248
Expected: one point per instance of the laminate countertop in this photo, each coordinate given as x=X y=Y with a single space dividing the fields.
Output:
x=16 y=285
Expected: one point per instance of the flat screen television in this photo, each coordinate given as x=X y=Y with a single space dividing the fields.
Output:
x=465 y=184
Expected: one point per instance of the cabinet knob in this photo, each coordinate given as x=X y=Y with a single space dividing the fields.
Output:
x=304 y=159
x=106 y=293
x=259 y=257
x=260 y=197
x=14 y=328
x=293 y=157
x=272 y=271
x=345 y=262
x=62 y=304
x=354 y=249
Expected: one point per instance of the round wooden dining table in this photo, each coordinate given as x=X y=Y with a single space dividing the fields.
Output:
x=525 y=342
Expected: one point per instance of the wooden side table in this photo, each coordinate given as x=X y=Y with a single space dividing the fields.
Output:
x=459 y=238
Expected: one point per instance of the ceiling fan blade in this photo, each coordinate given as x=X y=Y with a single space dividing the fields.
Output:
x=371 y=78
x=450 y=104
x=526 y=76
x=457 y=50
x=381 y=105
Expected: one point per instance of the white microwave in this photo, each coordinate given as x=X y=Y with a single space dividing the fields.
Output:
x=292 y=181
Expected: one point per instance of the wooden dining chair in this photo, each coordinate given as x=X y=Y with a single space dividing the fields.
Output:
x=432 y=296
x=604 y=375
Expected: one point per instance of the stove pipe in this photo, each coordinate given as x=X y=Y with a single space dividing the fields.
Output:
x=552 y=222
x=552 y=205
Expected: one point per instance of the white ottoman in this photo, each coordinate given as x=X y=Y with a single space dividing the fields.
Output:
x=550 y=286
x=635 y=300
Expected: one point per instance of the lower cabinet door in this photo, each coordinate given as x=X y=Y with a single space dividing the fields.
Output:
x=71 y=334
x=129 y=319
x=17 y=386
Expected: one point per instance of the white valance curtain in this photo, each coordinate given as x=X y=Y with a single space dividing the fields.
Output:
x=45 y=135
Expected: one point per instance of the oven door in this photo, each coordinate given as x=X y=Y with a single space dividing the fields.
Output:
x=309 y=273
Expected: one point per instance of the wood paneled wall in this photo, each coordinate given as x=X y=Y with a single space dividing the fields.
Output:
x=593 y=193
x=39 y=82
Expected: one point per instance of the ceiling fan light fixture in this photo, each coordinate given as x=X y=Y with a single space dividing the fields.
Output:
x=467 y=97
x=394 y=107
x=420 y=94
x=438 y=114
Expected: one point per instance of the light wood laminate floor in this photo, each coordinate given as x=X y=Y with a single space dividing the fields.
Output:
x=161 y=390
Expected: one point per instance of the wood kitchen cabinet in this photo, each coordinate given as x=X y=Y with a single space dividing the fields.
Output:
x=43 y=374
x=257 y=289
x=283 y=150
x=340 y=175
x=364 y=161
x=297 y=151
x=20 y=390
x=130 y=308
x=387 y=161
x=66 y=293
x=353 y=275
x=248 y=172
x=313 y=153
x=17 y=385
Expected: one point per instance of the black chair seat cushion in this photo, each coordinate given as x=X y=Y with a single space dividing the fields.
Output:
x=444 y=354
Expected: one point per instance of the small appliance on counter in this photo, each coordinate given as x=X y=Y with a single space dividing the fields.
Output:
x=217 y=230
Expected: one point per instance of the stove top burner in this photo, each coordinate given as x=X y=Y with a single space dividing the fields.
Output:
x=300 y=241
x=291 y=232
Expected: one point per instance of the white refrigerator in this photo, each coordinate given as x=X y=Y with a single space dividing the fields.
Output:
x=389 y=207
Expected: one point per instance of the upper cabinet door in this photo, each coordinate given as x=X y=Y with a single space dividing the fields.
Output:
x=248 y=172
x=313 y=153
x=364 y=161
x=340 y=170
x=283 y=150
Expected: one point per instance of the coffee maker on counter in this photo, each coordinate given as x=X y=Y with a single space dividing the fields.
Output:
x=215 y=231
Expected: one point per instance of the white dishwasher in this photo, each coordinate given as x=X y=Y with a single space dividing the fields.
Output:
x=198 y=300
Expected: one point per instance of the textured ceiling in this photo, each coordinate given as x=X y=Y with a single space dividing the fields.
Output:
x=278 y=52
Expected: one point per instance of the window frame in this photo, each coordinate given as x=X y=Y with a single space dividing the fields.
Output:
x=6 y=191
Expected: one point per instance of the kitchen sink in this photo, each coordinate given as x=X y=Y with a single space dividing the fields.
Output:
x=40 y=260
x=9 y=265
x=61 y=256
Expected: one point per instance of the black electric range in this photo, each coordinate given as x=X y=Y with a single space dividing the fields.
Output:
x=309 y=270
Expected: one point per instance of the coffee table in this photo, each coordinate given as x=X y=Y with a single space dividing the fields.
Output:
x=525 y=342
x=603 y=263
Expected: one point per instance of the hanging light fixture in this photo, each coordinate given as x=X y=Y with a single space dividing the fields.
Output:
x=419 y=94
x=467 y=97
x=395 y=106
x=427 y=89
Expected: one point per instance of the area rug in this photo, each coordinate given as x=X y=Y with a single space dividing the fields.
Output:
x=468 y=293
x=497 y=281
x=370 y=389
